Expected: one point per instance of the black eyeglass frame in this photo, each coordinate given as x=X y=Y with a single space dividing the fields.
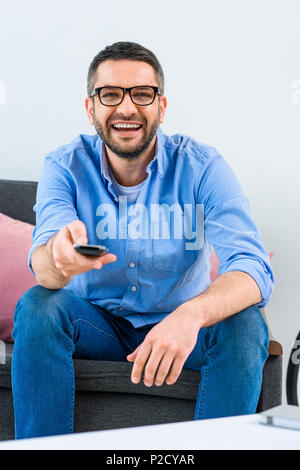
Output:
x=97 y=91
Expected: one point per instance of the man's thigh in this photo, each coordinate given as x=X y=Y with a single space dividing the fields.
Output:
x=98 y=335
x=242 y=334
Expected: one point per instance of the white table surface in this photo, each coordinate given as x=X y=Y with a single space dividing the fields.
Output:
x=242 y=432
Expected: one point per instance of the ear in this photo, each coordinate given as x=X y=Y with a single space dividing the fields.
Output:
x=163 y=105
x=89 y=106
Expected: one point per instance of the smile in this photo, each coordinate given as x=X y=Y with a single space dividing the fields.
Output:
x=126 y=129
x=127 y=126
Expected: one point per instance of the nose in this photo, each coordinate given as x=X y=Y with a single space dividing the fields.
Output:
x=127 y=105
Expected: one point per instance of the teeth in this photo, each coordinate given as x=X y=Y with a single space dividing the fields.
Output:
x=126 y=126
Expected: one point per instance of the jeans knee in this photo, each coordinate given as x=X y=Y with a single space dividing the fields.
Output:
x=39 y=310
x=246 y=334
x=253 y=326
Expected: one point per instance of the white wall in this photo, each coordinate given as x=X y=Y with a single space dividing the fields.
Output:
x=240 y=57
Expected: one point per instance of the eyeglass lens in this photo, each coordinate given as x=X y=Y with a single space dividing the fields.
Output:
x=139 y=95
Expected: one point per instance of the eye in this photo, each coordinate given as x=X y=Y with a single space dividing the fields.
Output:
x=143 y=95
x=110 y=94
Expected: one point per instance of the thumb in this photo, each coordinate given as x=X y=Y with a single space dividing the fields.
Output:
x=131 y=357
x=78 y=232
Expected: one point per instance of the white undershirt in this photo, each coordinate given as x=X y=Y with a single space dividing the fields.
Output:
x=131 y=192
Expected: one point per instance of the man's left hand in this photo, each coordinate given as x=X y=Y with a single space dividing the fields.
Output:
x=165 y=348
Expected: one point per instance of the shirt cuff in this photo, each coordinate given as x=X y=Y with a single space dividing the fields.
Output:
x=42 y=240
x=258 y=271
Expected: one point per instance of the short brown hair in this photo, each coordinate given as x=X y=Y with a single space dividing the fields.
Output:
x=129 y=51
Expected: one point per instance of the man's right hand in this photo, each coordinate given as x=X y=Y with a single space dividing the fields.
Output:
x=66 y=259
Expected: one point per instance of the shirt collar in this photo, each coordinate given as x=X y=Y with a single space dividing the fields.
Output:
x=158 y=157
x=104 y=164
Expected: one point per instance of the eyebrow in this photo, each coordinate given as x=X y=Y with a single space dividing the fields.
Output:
x=119 y=86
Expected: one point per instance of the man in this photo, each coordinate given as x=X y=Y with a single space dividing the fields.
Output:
x=145 y=196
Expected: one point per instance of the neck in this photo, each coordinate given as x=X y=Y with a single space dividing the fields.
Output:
x=130 y=172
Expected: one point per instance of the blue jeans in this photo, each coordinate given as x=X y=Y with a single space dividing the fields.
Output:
x=51 y=327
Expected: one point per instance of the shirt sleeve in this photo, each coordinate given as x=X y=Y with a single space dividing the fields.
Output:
x=229 y=228
x=55 y=204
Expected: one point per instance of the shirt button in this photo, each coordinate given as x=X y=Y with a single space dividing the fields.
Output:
x=133 y=288
x=132 y=265
x=121 y=308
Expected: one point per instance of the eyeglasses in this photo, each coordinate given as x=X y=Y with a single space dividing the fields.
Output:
x=114 y=95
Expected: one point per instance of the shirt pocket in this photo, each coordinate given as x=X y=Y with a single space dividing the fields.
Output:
x=172 y=255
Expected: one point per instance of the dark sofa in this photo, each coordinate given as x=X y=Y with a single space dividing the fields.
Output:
x=105 y=397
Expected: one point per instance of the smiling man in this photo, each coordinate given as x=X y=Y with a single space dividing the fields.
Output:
x=149 y=300
x=127 y=124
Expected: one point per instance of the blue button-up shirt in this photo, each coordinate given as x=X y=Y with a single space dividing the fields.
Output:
x=156 y=268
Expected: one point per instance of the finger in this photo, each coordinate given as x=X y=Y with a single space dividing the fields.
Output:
x=63 y=251
x=109 y=258
x=152 y=365
x=76 y=266
x=95 y=262
x=80 y=264
x=139 y=362
x=100 y=262
x=175 y=371
x=164 y=368
x=131 y=357
x=77 y=232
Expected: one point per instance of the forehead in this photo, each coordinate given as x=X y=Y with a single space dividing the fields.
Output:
x=125 y=73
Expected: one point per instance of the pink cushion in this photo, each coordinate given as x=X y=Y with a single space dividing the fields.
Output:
x=15 y=276
x=214 y=266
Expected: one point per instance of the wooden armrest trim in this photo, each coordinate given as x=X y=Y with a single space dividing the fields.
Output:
x=275 y=348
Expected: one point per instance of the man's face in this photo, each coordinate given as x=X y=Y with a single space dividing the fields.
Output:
x=126 y=143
